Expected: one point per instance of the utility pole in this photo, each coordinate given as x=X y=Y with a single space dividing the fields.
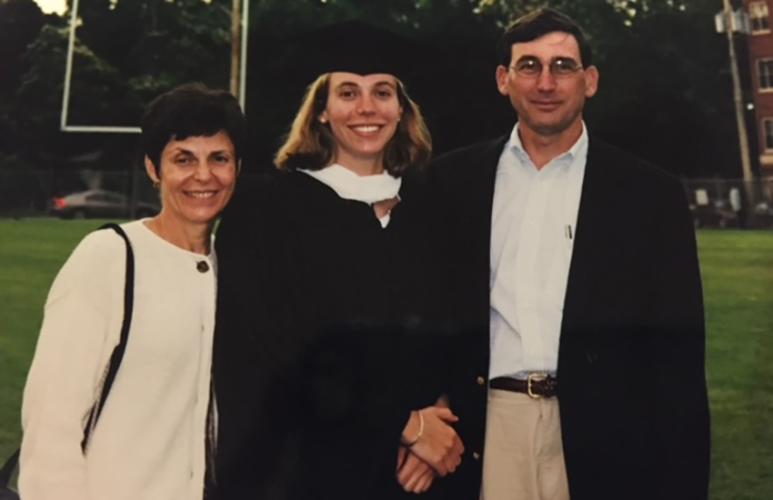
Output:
x=743 y=138
x=236 y=33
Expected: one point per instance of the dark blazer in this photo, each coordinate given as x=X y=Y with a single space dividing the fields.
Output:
x=632 y=391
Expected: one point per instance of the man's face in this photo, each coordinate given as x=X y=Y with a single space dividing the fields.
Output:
x=546 y=83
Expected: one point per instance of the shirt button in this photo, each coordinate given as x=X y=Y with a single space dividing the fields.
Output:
x=202 y=266
x=476 y=455
x=480 y=380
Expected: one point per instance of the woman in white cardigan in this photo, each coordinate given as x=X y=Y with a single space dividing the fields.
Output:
x=152 y=439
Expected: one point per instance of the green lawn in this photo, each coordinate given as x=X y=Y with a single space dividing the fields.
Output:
x=32 y=251
x=738 y=286
x=738 y=280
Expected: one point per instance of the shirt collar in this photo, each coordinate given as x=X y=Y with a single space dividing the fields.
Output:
x=579 y=147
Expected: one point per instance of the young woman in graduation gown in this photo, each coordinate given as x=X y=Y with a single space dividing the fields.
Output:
x=327 y=366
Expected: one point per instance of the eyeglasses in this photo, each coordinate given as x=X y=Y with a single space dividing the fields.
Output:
x=560 y=67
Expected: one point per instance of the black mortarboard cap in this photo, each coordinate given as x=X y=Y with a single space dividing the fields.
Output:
x=358 y=47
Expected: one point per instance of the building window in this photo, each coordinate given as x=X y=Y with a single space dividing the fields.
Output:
x=767 y=125
x=765 y=73
x=758 y=15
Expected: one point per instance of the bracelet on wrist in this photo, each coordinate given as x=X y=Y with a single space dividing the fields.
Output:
x=407 y=443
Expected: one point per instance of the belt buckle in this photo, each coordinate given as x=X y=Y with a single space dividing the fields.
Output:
x=534 y=377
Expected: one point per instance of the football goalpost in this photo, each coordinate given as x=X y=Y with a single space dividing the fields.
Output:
x=240 y=31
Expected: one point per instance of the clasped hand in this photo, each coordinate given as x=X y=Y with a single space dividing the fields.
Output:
x=435 y=448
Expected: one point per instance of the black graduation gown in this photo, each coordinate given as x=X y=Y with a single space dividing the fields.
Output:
x=324 y=340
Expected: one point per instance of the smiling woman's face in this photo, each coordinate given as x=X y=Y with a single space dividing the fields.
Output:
x=198 y=175
x=363 y=113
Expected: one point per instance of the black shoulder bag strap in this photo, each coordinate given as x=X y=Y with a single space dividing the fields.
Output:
x=112 y=369
x=5 y=474
x=118 y=351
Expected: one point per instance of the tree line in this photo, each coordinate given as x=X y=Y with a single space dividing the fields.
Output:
x=664 y=94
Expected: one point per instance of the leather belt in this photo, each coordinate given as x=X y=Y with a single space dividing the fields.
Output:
x=537 y=385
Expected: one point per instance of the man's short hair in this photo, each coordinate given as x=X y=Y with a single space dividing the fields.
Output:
x=191 y=110
x=536 y=24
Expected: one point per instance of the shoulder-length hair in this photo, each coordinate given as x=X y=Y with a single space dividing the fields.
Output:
x=311 y=145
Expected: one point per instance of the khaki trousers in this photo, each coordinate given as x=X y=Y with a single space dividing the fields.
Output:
x=523 y=458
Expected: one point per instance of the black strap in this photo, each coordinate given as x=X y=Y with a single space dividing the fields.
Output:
x=8 y=468
x=118 y=351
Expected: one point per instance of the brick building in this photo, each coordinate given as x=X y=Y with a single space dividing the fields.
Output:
x=760 y=46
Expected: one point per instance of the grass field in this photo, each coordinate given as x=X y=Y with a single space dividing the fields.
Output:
x=738 y=283
x=737 y=270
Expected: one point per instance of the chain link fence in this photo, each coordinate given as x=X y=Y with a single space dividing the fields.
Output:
x=732 y=203
x=720 y=203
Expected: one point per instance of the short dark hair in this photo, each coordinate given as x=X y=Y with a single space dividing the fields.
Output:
x=536 y=24
x=191 y=110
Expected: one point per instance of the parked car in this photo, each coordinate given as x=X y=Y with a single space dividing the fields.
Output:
x=714 y=214
x=99 y=203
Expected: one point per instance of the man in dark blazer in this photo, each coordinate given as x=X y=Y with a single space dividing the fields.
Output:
x=572 y=279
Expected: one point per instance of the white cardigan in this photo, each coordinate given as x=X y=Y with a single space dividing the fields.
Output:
x=150 y=439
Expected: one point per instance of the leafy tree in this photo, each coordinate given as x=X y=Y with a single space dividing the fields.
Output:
x=20 y=22
x=157 y=44
x=664 y=91
x=104 y=98
x=126 y=53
